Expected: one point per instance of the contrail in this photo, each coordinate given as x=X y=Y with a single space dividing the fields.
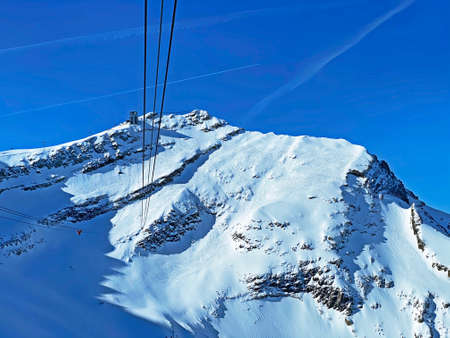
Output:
x=129 y=91
x=186 y=24
x=119 y=34
x=210 y=74
x=137 y=31
x=313 y=68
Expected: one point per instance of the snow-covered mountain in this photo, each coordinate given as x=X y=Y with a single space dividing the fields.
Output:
x=246 y=235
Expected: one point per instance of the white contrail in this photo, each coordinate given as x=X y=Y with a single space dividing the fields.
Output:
x=123 y=92
x=119 y=34
x=310 y=70
x=186 y=24
x=209 y=74
x=137 y=31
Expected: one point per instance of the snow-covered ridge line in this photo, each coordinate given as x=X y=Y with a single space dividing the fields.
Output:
x=416 y=226
x=94 y=151
x=382 y=180
x=24 y=162
x=100 y=205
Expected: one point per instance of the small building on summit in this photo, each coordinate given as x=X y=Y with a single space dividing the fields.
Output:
x=133 y=118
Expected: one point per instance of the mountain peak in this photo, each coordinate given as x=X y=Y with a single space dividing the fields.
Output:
x=243 y=226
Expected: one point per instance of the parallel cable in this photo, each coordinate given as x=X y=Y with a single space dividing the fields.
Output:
x=164 y=90
x=24 y=222
x=18 y=213
x=32 y=220
x=155 y=96
x=144 y=108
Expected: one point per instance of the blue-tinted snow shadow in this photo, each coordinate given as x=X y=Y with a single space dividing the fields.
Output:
x=365 y=229
x=52 y=290
x=171 y=133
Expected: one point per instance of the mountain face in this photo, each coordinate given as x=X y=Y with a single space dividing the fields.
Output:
x=244 y=235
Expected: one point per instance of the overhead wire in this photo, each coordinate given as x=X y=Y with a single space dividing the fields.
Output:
x=35 y=221
x=164 y=90
x=144 y=101
x=17 y=213
x=24 y=222
x=155 y=97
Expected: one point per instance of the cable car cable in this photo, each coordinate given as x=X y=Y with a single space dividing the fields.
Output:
x=144 y=99
x=164 y=89
x=36 y=220
x=155 y=96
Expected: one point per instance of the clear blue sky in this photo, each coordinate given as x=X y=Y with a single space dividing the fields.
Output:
x=336 y=68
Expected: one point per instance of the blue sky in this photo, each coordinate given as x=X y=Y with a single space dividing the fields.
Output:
x=374 y=72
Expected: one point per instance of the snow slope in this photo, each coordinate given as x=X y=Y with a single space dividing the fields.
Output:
x=247 y=235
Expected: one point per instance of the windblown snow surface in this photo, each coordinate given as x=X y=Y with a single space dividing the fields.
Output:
x=247 y=235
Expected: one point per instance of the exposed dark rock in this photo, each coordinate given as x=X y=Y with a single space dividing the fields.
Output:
x=49 y=183
x=282 y=225
x=427 y=315
x=308 y=277
x=169 y=228
x=93 y=150
x=381 y=180
x=416 y=222
x=19 y=244
x=244 y=242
